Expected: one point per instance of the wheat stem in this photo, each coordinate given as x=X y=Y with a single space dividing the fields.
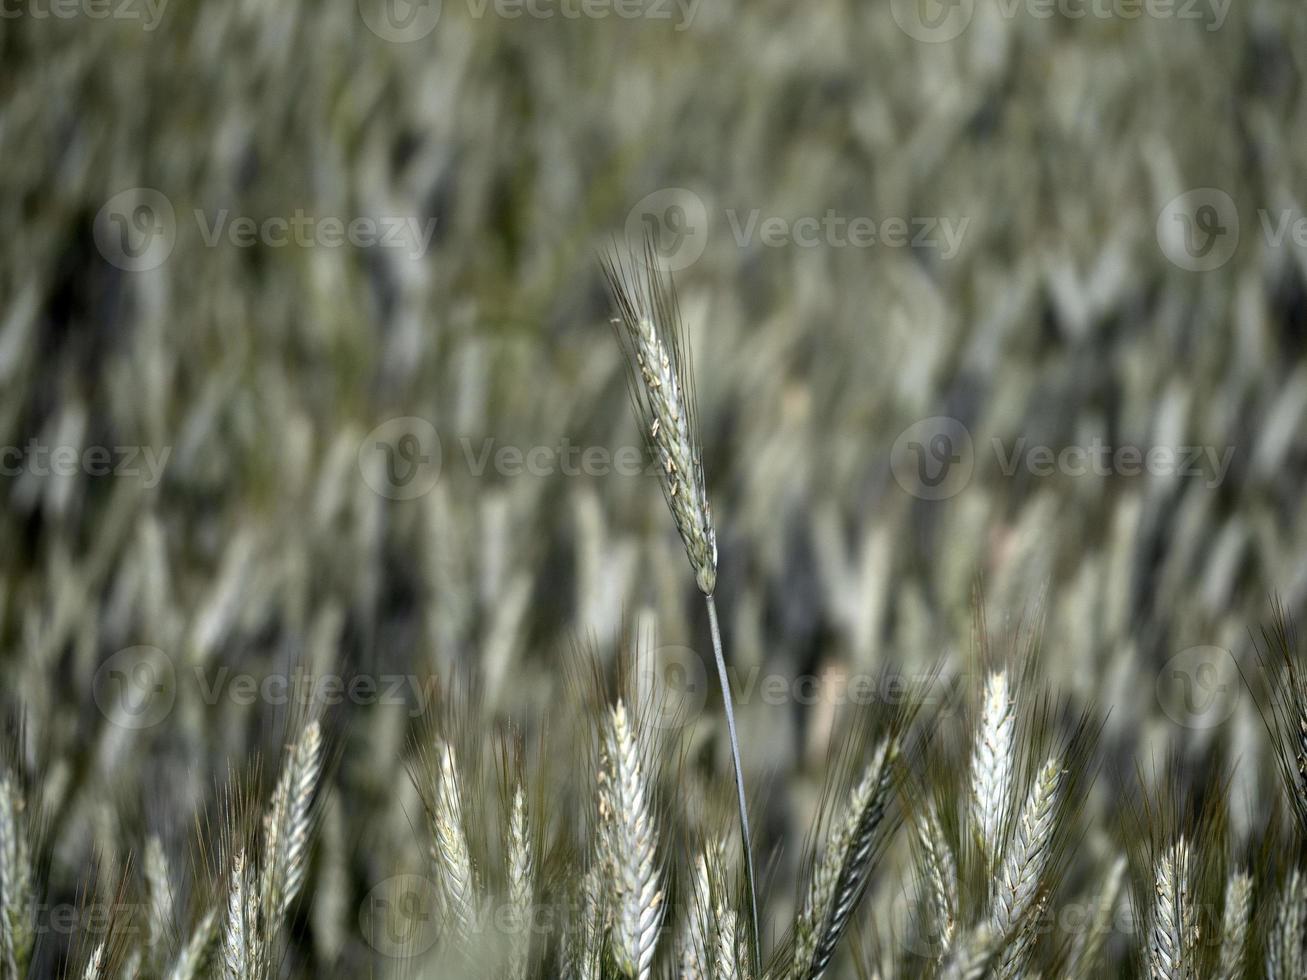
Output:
x=746 y=839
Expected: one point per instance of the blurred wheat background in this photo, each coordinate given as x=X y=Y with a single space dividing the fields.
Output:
x=306 y=372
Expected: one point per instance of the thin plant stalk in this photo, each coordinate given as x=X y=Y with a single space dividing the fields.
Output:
x=746 y=841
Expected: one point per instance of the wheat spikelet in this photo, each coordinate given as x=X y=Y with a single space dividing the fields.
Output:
x=1234 y=925
x=286 y=826
x=632 y=844
x=449 y=847
x=1171 y=932
x=1285 y=955
x=938 y=874
x=16 y=927
x=650 y=331
x=191 y=960
x=992 y=762
x=840 y=876
x=1028 y=853
x=521 y=885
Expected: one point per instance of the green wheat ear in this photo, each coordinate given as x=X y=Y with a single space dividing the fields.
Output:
x=661 y=383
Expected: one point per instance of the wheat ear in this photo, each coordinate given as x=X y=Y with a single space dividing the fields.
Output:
x=1286 y=721
x=938 y=873
x=159 y=889
x=286 y=826
x=191 y=960
x=1025 y=860
x=992 y=762
x=695 y=942
x=1171 y=932
x=840 y=876
x=1089 y=946
x=1234 y=925
x=972 y=956
x=449 y=848
x=631 y=848
x=239 y=952
x=17 y=933
x=661 y=383
x=1285 y=956
x=521 y=885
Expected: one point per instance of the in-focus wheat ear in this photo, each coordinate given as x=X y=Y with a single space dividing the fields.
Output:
x=661 y=384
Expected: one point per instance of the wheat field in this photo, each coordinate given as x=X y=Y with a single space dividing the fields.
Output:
x=653 y=489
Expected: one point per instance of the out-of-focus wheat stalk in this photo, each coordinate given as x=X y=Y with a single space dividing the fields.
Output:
x=1234 y=925
x=192 y=958
x=1286 y=955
